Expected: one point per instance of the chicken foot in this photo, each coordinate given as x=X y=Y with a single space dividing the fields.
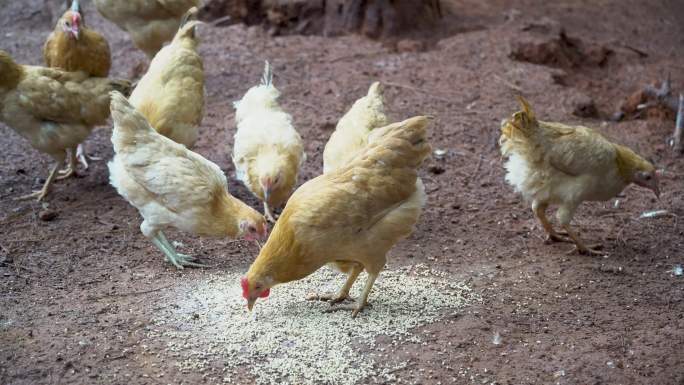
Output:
x=40 y=194
x=553 y=236
x=83 y=157
x=580 y=246
x=177 y=259
x=71 y=167
x=361 y=302
x=343 y=294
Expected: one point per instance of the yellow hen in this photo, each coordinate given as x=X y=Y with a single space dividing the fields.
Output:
x=53 y=109
x=351 y=133
x=556 y=164
x=171 y=94
x=353 y=216
x=151 y=23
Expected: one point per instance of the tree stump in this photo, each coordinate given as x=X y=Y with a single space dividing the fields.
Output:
x=373 y=18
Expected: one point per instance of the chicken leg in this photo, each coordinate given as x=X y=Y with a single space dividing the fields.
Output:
x=581 y=247
x=40 y=194
x=177 y=259
x=71 y=168
x=553 y=236
x=343 y=294
x=362 y=301
x=83 y=157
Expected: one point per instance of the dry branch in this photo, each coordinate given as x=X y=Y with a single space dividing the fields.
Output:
x=678 y=145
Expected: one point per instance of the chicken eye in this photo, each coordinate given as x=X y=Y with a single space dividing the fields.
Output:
x=647 y=177
x=251 y=229
x=67 y=23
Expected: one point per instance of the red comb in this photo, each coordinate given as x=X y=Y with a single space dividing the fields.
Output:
x=245 y=287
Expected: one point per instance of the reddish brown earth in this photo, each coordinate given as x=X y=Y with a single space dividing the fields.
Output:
x=563 y=318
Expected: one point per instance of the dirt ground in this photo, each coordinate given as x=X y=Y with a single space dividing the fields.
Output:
x=78 y=292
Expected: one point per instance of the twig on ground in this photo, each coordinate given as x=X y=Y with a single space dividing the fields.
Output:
x=509 y=84
x=677 y=144
x=221 y=21
x=356 y=55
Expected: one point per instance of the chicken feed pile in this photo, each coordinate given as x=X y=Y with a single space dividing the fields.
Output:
x=288 y=340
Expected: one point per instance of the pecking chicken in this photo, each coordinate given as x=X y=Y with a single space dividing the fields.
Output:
x=151 y=23
x=351 y=216
x=53 y=109
x=171 y=94
x=556 y=164
x=268 y=151
x=172 y=186
x=351 y=133
x=72 y=46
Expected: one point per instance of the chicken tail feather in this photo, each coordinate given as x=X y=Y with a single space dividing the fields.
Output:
x=128 y=122
x=188 y=24
x=402 y=144
x=267 y=77
x=191 y=14
x=520 y=126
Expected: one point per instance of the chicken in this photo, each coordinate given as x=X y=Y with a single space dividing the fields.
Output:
x=171 y=94
x=268 y=151
x=53 y=109
x=172 y=186
x=352 y=216
x=556 y=164
x=351 y=133
x=74 y=47
x=151 y=23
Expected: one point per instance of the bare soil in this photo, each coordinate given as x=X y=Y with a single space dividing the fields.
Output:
x=78 y=291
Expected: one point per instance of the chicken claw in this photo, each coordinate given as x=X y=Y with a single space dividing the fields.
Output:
x=71 y=167
x=177 y=259
x=556 y=237
x=355 y=308
x=183 y=260
x=333 y=298
x=580 y=247
x=587 y=250
x=40 y=194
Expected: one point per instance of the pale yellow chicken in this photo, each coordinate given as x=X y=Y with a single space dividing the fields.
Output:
x=351 y=133
x=353 y=215
x=556 y=164
x=268 y=151
x=171 y=94
x=173 y=187
x=151 y=23
x=53 y=109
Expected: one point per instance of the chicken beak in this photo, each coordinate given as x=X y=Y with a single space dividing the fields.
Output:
x=250 y=303
x=74 y=30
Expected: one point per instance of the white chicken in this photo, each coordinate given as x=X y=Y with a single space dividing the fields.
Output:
x=172 y=186
x=268 y=151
